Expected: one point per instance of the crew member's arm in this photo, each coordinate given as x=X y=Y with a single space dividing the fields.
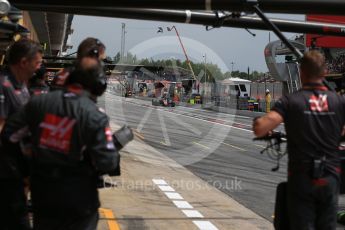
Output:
x=264 y=124
x=16 y=126
x=3 y=107
x=14 y=130
x=2 y=123
x=268 y=122
x=103 y=153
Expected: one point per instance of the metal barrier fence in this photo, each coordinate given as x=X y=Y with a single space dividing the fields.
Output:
x=255 y=102
x=240 y=103
x=258 y=90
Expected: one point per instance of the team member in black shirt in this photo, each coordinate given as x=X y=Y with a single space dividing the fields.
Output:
x=314 y=118
x=24 y=58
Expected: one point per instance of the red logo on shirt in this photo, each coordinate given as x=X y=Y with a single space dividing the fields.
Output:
x=56 y=133
x=109 y=137
x=318 y=104
x=108 y=134
x=39 y=92
x=7 y=84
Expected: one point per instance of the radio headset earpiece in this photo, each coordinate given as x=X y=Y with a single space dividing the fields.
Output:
x=95 y=49
x=94 y=52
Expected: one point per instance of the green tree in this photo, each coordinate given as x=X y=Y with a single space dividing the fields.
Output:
x=144 y=61
x=213 y=71
x=243 y=75
x=117 y=57
x=227 y=74
x=235 y=73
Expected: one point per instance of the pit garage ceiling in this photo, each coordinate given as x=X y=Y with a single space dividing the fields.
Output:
x=52 y=29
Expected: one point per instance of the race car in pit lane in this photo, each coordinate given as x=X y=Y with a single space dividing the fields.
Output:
x=165 y=100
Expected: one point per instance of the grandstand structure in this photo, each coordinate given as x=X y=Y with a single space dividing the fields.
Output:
x=283 y=65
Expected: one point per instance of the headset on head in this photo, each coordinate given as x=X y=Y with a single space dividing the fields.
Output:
x=99 y=79
x=94 y=52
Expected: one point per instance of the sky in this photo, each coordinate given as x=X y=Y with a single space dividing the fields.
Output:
x=229 y=48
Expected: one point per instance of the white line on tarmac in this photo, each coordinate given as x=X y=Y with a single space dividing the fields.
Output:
x=143 y=121
x=261 y=146
x=228 y=114
x=235 y=147
x=166 y=188
x=204 y=146
x=223 y=119
x=230 y=126
x=248 y=125
x=159 y=182
x=205 y=225
x=182 y=204
x=173 y=196
x=163 y=143
x=164 y=129
x=192 y=214
x=184 y=124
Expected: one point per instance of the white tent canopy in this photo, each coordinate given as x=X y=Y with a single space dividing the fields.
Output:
x=235 y=80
